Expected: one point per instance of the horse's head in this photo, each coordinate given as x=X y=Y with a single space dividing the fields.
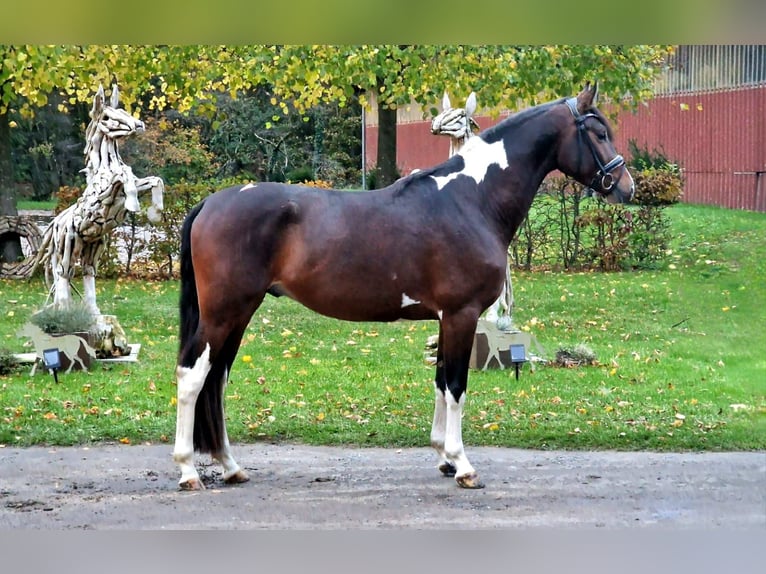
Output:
x=113 y=121
x=455 y=122
x=586 y=152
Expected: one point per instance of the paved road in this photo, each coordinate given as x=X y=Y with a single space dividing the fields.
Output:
x=300 y=487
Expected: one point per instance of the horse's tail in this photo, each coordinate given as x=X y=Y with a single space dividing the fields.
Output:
x=188 y=303
x=209 y=430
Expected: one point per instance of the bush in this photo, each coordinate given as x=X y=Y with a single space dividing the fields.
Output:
x=658 y=180
x=75 y=318
x=8 y=363
x=658 y=186
x=565 y=230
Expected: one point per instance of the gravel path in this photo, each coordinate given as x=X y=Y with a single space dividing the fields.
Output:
x=300 y=487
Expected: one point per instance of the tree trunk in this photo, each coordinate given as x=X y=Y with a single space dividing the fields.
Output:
x=388 y=172
x=10 y=243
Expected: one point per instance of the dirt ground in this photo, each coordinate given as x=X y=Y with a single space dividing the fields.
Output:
x=304 y=487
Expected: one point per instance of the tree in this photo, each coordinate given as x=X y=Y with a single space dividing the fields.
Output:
x=505 y=77
x=186 y=77
x=150 y=77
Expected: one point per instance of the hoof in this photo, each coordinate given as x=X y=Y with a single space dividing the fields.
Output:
x=469 y=481
x=447 y=469
x=191 y=484
x=237 y=478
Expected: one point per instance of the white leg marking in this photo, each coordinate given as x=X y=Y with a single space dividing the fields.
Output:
x=478 y=155
x=453 y=440
x=230 y=466
x=407 y=301
x=440 y=314
x=190 y=382
x=439 y=426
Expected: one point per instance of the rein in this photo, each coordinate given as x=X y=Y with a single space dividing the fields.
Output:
x=604 y=170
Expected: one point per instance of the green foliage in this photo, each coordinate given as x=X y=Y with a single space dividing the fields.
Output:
x=565 y=230
x=502 y=75
x=74 y=318
x=658 y=185
x=659 y=181
x=300 y=175
x=46 y=149
x=8 y=363
x=171 y=150
x=374 y=177
x=257 y=138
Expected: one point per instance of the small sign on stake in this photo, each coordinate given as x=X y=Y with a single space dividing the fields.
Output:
x=518 y=357
x=52 y=361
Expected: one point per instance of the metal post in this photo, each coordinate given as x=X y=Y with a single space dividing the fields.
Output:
x=364 y=149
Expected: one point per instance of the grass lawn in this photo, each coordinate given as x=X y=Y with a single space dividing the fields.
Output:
x=681 y=362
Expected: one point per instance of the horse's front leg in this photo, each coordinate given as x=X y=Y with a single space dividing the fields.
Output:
x=439 y=426
x=457 y=334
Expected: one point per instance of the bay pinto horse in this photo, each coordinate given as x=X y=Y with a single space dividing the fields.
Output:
x=434 y=244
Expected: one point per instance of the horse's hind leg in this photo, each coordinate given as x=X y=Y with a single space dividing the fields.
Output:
x=232 y=472
x=203 y=426
x=189 y=381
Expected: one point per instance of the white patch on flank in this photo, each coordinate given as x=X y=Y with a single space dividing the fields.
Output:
x=248 y=186
x=407 y=301
x=478 y=155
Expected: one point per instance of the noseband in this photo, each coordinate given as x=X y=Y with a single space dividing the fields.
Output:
x=607 y=180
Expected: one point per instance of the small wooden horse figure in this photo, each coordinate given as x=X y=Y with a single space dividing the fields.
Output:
x=458 y=124
x=80 y=232
x=434 y=244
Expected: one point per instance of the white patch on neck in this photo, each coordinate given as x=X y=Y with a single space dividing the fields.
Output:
x=407 y=301
x=478 y=156
x=248 y=186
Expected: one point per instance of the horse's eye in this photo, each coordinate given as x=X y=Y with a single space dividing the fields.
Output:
x=601 y=136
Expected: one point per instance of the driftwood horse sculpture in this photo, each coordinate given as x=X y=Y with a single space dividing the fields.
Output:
x=434 y=244
x=458 y=124
x=80 y=232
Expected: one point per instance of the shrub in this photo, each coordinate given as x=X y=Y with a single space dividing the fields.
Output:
x=565 y=230
x=658 y=180
x=8 y=363
x=658 y=186
x=75 y=318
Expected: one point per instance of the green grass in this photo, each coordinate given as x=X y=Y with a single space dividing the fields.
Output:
x=681 y=363
x=49 y=205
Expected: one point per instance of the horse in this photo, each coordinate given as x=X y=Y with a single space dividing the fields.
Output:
x=458 y=124
x=433 y=243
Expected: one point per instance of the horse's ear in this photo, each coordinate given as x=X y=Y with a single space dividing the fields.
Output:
x=588 y=97
x=98 y=103
x=470 y=105
x=114 y=101
x=446 y=105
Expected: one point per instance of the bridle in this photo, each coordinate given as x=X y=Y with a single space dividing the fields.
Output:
x=607 y=180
